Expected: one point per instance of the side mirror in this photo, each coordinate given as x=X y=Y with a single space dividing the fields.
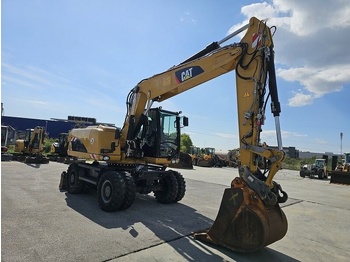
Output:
x=184 y=121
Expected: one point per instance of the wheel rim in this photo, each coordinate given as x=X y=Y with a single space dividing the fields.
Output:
x=72 y=178
x=106 y=191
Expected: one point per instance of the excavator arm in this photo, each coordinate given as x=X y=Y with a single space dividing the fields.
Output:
x=249 y=217
x=253 y=60
x=175 y=81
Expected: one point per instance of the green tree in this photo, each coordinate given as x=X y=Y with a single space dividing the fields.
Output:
x=186 y=143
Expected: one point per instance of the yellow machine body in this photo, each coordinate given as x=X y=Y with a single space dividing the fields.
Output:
x=249 y=217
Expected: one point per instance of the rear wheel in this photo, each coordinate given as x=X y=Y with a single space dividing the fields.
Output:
x=169 y=191
x=74 y=184
x=111 y=190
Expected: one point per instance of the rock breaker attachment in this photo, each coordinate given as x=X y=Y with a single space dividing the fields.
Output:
x=244 y=223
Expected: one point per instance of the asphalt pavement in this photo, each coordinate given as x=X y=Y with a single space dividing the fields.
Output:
x=41 y=223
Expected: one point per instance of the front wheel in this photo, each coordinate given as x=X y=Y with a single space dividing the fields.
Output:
x=181 y=186
x=169 y=189
x=322 y=175
x=111 y=191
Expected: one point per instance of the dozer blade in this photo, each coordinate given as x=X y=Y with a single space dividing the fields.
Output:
x=244 y=223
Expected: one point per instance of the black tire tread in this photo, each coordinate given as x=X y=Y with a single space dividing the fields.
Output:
x=118 y=191
x=130 y=191
x=78 y=186
x=169 y=194
x=181 y=186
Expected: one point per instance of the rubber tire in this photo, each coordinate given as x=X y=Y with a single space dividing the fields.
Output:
x=181 y=186
x=74 y=184
x=170 y=190
x=321 y=175
x=130 y=191
x=113 y=184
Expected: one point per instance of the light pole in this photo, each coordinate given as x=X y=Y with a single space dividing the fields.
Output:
x=341 y=143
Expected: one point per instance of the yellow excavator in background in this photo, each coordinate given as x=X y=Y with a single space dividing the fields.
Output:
x=120 y=162
x=29 y=149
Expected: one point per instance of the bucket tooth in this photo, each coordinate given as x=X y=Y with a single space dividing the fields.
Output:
x=244 y=223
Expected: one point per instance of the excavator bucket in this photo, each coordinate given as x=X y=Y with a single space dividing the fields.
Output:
x=244 y=223
x=340 y=177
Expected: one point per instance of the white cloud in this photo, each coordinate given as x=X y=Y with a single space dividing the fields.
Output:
x=30 y=76
x=270 y=138
x=310 y=42
x=300 y=99
x=286 y=134
x=37 y=102
x=317 y=82
x=187 y=17
x=226 y=135
x=312 y=16
x=260 y=10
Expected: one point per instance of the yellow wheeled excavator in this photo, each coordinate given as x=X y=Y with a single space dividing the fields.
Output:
x=120 y=162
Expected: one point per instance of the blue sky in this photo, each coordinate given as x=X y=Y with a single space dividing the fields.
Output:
x=81 y=58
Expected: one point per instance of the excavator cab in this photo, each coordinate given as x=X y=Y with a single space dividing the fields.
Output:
x=160 y=135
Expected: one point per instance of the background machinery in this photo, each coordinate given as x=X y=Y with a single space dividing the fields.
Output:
x=8 y=137
x=231 y=158
x=341 y=173
x=318 y=169
x=121 y=162
x=29 y=149
x=208 y=158
x=59 y=148
x=195 y=153
x=184 y=161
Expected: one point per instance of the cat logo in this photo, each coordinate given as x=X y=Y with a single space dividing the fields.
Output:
x=187 y=73
x=246 y=94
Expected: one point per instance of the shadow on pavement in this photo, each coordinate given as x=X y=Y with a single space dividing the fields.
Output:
x=172 y=223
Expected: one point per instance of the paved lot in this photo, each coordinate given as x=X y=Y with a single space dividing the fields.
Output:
x=40 y=223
